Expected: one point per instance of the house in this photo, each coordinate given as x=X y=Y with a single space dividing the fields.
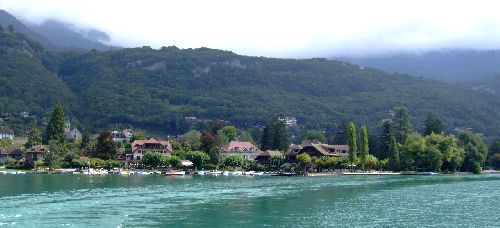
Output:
x=35 y=153
x=140 y=147
x=317 y=149
x=264 y=158
x=246 y=149
x=6 y=132
x=10 y=152
x=119 y=136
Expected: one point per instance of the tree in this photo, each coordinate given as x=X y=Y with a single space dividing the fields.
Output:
x=370 y=162
x=173 y=161
x=315 y=135
x=304 y=160
x=475 y=151
x=208 y=141
x=222 y=139
x=55 y=153
x=85 y=139
x=34 y=138
x=233 y=160
x=106 y=147
x=230 y=132
x=277 y=161
x=402 y=126
x=215 y=156
x=385 y=139
x=411 y=151
x=494 y=154
x=275 y=136
x=394 y=162
x=341 y=135
x=193 y=139
x=152 y=159
x=55 y=126
x=364 y=149
x=452 y=155
x=198 y=158
x=433 y=125
x=353 y=149
x=247 y=137
x=5 y=142
x=139 y=135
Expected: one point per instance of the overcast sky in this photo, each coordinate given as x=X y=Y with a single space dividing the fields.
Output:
x=280 y=28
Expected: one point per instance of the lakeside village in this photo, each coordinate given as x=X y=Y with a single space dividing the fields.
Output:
x=225 y=150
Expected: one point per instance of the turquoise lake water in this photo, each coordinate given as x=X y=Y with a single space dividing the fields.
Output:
x=336 y=201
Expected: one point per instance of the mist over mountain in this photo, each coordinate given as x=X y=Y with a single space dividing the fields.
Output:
x=53 y=34
x=445 y=65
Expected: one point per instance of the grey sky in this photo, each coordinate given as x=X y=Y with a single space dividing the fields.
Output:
x=280 y=28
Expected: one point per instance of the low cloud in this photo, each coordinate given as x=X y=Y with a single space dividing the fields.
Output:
x=293 y=29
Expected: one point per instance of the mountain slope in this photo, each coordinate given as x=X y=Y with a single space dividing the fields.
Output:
x=63 y=37
x=156 y=88
x=7 y=19
x=25 y=83
x=445 y=65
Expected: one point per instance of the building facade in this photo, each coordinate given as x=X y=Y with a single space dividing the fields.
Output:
x=140 y=147
x=246 y=149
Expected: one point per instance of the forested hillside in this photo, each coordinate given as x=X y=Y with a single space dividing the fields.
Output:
x=156 y=89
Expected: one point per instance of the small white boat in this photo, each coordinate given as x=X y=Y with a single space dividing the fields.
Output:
x=175 y=173
x=201 y=173
x=3 y=172
x=215 y=173
x=249 y=173
x=21 y=172
x=225 y=173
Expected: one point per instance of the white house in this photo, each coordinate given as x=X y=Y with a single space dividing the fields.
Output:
x=6 y=132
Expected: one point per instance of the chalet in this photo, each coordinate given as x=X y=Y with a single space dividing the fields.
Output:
x=6 y=132
x=264 y=158
x=246 y=149
x=317 y=149
x=140 y=147
x=35 y=153
x=10 y=152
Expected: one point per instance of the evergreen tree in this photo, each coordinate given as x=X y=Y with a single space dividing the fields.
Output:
x=275 y=136
x=215 y=156
x=55 y=126
x=385 y=140
x=364 y=149
x=402 y=126
x=352 y=143
x=394 y=161
x=85 y=139
x=34 y=138
x=433 y=124
x=106 y=147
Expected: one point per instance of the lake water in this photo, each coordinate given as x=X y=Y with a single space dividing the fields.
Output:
x=337 y=201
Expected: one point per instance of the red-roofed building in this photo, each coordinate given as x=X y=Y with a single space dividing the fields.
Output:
x=140 y=147
x=246 y=149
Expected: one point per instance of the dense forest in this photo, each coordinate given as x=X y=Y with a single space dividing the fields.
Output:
x=155 y=89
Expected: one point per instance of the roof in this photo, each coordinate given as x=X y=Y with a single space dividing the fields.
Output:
x=239 y=146
x=325 y=149
x=6 y=130
x=37 y=149
x=270 y=153
x=151 y=141
x=10 y=150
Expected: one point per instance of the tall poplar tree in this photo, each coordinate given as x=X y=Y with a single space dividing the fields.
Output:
x=55 y=126
x=364 y=149
x=352 y=142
